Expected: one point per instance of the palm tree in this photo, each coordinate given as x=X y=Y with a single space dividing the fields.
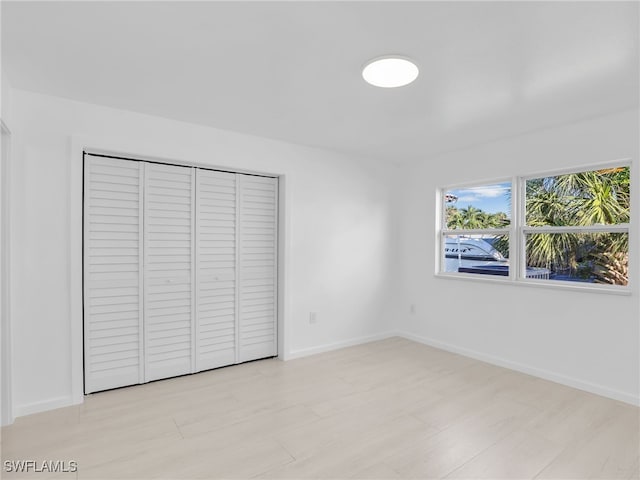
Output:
x=454 y=218
x=612 y=268
x=581 y=199
x=473 y=218
x=548 y=207
x=596 y=197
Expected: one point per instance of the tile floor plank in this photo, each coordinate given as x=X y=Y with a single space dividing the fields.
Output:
x=388 y=409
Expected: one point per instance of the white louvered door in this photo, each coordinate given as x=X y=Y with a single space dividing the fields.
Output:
x=168 y=273
x=180 y=270
x=257 y=258
x=216 y=269
x=112 y=273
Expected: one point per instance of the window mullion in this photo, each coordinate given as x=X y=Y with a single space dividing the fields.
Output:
x=514 y=250
x=522 y=223
x=618 y=228
x=478 y=231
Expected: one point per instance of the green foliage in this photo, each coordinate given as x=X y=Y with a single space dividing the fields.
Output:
x=501 y=243
x=600 y=197
x=580 y=199
x=472 y=218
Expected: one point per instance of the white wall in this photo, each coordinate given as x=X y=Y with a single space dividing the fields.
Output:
x=587 y=340
x=360 y=243
x=338 y=221
x=3 y=228
x=6 y=415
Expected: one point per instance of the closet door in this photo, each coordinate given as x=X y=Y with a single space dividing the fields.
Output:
x=168 y=274
x=216 y=269
x=257 y=231
x=112 y=273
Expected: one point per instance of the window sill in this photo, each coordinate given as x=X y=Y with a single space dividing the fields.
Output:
x=548 y=284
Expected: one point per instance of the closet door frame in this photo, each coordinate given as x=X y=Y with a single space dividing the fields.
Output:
x=154 y=153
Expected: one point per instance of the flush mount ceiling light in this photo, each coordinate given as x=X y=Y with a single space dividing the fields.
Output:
x=390 y=71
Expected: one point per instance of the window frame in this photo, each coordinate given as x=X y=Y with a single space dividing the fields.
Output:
x=518 y=231
x=443 y=232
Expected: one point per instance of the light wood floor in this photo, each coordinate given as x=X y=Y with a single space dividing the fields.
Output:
x=388 y=409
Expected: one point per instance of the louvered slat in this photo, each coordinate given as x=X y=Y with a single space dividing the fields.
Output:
x=168 y=314
x=258 y=267
x=216 y=269
x=180 y=270
x=112 y=273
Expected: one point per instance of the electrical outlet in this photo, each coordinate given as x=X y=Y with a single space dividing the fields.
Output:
x=412 y=308
x=313 y=317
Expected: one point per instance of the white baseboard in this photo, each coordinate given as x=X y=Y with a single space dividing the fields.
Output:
x=44 y=405
x=7 y=421
x=536 y=372
x=59 y=402
x=305 y=352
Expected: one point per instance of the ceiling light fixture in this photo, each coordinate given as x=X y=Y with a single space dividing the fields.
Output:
x=390 y=71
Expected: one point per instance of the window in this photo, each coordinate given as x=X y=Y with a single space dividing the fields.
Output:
x=577 y=225
x=476 y=230
x=571 y=227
